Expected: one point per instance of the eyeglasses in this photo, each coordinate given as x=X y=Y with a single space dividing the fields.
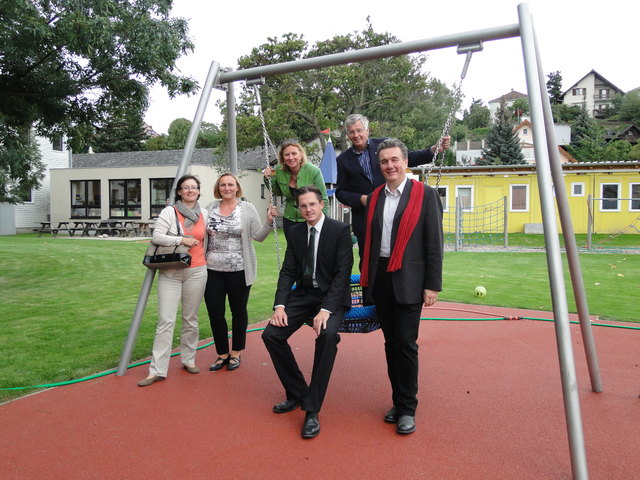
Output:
x=290 y=141
x=190 y=187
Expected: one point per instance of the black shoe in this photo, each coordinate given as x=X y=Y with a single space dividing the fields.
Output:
x=392 y=415
x=311 y=425
x=233 y=363
x=286 y=406
x=217 y=365
x=406 y=424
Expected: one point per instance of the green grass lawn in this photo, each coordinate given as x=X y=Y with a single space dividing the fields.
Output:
x=66 y=304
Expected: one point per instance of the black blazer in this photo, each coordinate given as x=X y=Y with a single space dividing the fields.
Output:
x=333 y=264
x=352 y=181
x=422 y=262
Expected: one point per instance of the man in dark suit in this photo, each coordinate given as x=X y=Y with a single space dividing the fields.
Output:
x=359 y=170
x=402 y=270
x=318 y=260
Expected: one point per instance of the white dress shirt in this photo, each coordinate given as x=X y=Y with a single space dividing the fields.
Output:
x=390 y=206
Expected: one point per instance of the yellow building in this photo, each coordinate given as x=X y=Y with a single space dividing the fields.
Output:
x=512 y=191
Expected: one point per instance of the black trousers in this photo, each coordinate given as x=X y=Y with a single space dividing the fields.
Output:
x=221 y=285
x=302 y=305
x=400 y=324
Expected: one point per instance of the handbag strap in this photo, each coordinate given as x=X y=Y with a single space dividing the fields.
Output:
x=175 y=210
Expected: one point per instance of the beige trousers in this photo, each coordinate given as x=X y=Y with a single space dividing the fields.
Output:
x=186 y=285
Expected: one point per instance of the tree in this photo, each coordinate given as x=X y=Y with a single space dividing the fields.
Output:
x=122 y=132
x=565 y=113
x=478 y=116
x=519 y=108
x=66 y=66
x=503 y=146
x=554 y=87
x=588 y=143
x=629 y=109
x=300 y=105
x=209 y=136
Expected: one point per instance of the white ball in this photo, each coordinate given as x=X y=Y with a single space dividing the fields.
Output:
x=480 y=291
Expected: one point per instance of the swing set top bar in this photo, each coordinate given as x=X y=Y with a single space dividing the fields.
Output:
x=372 y=53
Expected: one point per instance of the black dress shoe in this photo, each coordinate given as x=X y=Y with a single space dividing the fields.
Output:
x=406 y=424
x=286 y=406
x=233 y=363
x=392 y=415
x=218 y=364
x=311 y=425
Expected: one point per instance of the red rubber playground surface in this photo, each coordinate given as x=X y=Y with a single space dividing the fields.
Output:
x=490 y=408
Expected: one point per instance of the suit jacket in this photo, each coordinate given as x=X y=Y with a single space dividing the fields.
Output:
x=352 y=181
x=422 y=261
x=334 y=260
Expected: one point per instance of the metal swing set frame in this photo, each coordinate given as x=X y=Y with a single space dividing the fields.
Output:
x=548 y=170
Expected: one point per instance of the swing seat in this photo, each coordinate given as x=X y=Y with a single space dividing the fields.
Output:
x=360 y=318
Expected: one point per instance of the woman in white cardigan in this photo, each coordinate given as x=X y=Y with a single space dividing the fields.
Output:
x=232 y=226
x=181 y=284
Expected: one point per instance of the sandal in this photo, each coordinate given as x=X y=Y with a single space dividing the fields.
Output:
x=219 y=363
x=233 y=363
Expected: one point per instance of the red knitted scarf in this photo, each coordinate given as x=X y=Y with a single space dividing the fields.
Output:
x=407 y=224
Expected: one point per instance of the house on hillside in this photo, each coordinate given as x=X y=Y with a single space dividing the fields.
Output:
x=592 y=91
x=507 y=98
x=621 y=131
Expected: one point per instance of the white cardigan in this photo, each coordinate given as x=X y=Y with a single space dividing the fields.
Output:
x=252 y=229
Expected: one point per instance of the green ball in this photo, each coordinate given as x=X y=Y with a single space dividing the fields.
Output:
x=480 y=292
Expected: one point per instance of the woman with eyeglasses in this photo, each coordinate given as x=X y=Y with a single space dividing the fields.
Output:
x=182 y=223
x=294 y=172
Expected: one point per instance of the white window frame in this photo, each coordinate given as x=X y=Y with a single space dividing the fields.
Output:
x=470 y=187
x=573 y=189
x=445 y=197
x=602 y=202
x=635 y=199
x=526 y=197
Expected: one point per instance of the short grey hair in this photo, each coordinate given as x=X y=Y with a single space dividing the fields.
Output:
x=356 y=117
x=392 y=143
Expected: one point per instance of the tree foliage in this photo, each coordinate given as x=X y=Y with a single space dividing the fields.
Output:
x=588 y=142
x=503 y=145
x=629 y=109
x=392 y=92
x=66 y=66
x=519 y=108
x=122 y=132
x=209 y=136
x=554 y=87
x=477 y=116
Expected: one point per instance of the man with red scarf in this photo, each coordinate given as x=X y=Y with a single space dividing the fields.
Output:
x=402 y=270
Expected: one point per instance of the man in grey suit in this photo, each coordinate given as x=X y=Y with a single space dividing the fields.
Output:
x=318 y=260
x=402 y=270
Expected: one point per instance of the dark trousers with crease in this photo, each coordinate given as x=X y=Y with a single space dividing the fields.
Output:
x=302 y=305
x=400 y=325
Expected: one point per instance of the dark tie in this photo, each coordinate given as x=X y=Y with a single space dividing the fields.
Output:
x=307 y=275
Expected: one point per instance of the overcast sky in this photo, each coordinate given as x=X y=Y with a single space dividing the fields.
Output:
x=574 y=37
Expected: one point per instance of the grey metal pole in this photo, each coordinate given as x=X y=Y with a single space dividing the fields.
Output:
x=554 y=260
x=372 y=53
x=570 y=245
x=136 y=320
x=458 y=224
x=231 y=129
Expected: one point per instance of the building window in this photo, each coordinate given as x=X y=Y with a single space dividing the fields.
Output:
x=519 y=198
x=604 y=93
x=579 y=91
x=577 y=189
x=610 y=191
x=56 y=143
x=124 y=199
x=443 y=194
x=465 y=193
x=85 y=199
x=635 y=196
x=160 y=189
x=26 y=194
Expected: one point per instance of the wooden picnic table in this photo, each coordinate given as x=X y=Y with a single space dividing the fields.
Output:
x=142 y=228
x=47 y=227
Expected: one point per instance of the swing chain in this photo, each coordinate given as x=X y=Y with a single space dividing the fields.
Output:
x=268 y=145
